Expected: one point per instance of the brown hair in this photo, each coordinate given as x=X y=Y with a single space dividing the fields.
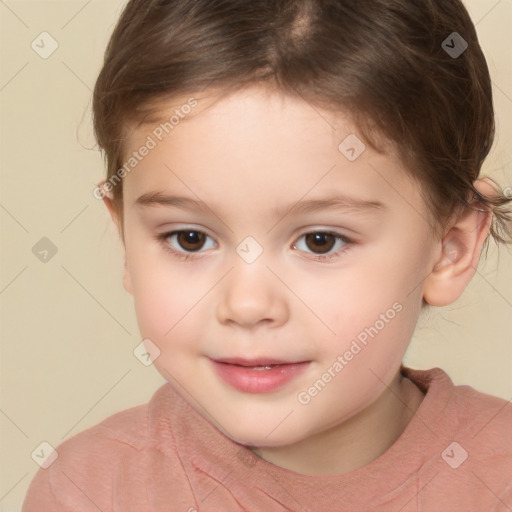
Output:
x=384 y=62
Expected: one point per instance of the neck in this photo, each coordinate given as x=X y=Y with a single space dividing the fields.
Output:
x=356 y=442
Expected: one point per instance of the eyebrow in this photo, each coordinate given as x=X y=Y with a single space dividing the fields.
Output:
x=339 y=202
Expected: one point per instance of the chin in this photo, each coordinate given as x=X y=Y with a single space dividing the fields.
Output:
x=258 y=436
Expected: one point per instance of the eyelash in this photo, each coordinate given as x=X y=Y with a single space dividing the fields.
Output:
x=162 y=239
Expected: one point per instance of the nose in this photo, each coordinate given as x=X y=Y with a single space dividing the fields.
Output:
x=251 y=295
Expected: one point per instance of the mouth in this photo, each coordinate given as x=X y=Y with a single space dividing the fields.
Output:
x=262 y=375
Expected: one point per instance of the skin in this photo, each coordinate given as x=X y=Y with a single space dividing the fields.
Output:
x=243 y=156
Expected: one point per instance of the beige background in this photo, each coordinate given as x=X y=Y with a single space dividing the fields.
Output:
x=68 y=326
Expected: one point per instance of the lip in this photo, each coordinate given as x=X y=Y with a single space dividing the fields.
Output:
x=240 y=374
x=259 y=361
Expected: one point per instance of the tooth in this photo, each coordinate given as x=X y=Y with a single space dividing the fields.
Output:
x=260 y=368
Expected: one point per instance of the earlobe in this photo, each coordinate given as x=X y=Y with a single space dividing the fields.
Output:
x=458 y=257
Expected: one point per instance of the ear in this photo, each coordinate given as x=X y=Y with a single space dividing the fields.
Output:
x=459 y=251
x=114 y=214
x=108 y=201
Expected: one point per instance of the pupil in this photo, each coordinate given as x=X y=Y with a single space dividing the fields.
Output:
x=192 y=235
x=319 y=238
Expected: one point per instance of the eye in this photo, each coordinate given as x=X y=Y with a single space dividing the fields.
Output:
x=185 y=241
x=321 y=243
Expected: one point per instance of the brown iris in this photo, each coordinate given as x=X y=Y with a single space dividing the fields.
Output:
x=189 y=240
x=322 y=241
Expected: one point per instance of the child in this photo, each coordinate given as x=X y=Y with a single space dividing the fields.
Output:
x=293 y=181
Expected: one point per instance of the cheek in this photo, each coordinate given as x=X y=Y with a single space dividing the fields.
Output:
x=356 y=298
x=169 y=297
x=160 y=296
x=374 y=312
x=363 y=366
x=381 y=336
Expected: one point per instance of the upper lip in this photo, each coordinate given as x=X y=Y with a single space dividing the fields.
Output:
x=260 y=361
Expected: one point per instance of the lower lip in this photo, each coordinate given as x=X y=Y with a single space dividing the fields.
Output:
x=245 y=379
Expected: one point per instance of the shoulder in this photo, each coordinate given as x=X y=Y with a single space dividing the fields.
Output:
x=467 y=445
x=461 y=407
x=118 y=435
x=483 y=446
x=482 y=414
x=113 y=456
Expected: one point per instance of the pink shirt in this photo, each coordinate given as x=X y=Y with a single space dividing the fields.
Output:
x=455 y=455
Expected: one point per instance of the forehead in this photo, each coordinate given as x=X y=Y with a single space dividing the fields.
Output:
x=260 y=145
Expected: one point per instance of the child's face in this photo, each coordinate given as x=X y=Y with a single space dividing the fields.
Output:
x=248 y=159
